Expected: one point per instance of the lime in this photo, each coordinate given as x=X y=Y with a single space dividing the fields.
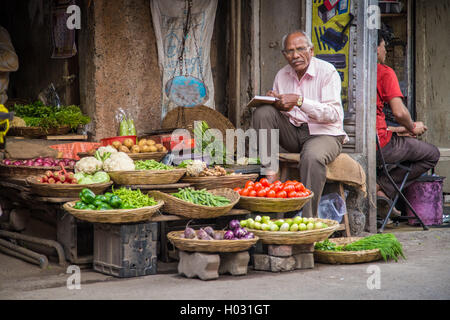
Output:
x=274 y=227
x=258 y=218
x=318 y=225
x=294 y=227
x=302 y=227
x=290 y=221
x=298 y=220
x=284 y=227
x=244 y=223
x=265 y=227
x=265 y=219
x=279 y=222
x=251 y=224
x=257 y=225
x=310 y=226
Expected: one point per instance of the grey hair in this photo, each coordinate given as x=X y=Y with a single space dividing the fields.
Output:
x=308 y=39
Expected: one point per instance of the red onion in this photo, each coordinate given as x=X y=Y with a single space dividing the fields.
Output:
x=7 y=162
x=29 y=163
x=47 y=164
x=72 y=163
x=17 y=163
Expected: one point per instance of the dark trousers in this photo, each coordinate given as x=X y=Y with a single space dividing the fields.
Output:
x=422 y=155
x=315 y=151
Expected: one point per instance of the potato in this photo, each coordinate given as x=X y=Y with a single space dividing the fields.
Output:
x=159 y=146
x=146 y=149
x=151 y=142
x=116 y=144
x=164 y=149
x=124 y=149
x=142 y=142
x=135 y=149
x=128 y=143
x=153 y=149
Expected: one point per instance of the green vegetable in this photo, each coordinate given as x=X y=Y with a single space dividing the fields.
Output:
x=79 y=176
x=87 y=196
x=80 y=205
x=104 y=206
x=97 y=203
x=103 y=157
x=127 y=206
x=185 y=163
x=207 y=139
x=387 y=243
x=101 y=177
x=151 y=165
x=91 y=207
x=86 y=180
x=131 y=127
x=123 y=128
x=115 y=201
x=327 y=245
x=108 y=196
x=101 y=198
x=133 y=198
x=201 y=197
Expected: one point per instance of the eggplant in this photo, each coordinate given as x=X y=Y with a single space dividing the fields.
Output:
x=210 y=231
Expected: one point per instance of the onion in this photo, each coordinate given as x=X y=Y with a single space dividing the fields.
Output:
x=234 y=224
x=17 y=163
x=29 y=163
x=228 y=235
x=38 y=162
x=7 y=162
x=47 y=164
x=72 y=163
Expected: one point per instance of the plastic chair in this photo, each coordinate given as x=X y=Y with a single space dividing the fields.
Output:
x=387 y=167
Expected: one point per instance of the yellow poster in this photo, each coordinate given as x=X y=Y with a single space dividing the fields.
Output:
x=330 y=36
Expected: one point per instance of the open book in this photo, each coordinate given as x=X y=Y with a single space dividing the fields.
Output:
x=260 y=100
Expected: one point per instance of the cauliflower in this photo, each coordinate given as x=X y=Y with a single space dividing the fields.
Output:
x=89 y=165
x=195 y=168
x=119 y=161
x=102 y=150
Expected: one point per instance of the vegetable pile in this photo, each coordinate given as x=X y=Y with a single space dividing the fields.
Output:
x=277 y=189
x=57 y=177
x=98 y=177
x=40 y=162
x=151 y=165
x=39 y=115
x=387 y=243
x=235 y=232
x=201 y=197
x=264 y=223
x=143 y=145
x=118 y=199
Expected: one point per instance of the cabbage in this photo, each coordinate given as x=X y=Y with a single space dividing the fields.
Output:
x=79 y=176
x=86 y=180
x=101 y=177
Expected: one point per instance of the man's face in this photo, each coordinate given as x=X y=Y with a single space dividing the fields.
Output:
x=297 y=52
x=381 y=52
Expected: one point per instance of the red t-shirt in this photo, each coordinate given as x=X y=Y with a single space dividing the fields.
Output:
x=387 y=89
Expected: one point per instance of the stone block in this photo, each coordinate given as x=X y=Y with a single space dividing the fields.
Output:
x=202 y=265
x=280 y=250
x=261 y=262
x=304 y=260
x=302 y=248
x=235 y=263
x=281 y=264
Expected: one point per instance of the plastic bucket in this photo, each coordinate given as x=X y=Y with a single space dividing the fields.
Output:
x=426 y=197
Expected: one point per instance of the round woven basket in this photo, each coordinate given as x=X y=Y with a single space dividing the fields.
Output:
x=157 y=156
x=297 y=237
x=260 y=204
x=146 y=176
x=64 y=190
x=346 y=257
x=210 y=245
x=176 y=206
x=22 y=172
x=227 y=181
x=113 y=216
x=35 y=132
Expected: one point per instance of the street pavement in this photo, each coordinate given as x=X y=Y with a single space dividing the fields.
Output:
x=423 y=275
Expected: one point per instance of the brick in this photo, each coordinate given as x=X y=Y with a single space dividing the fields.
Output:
x=202 y=265
x=261 y=262
x=261 y=248
x=302 y=248
x=280 y=250
x=304 y=261
x=235 y=263
x=281 y=264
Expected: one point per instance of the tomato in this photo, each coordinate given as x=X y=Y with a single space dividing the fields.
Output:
x=278 y=188
x=245 y=192
x=261 y=193
x=252 y=193
x=257 y=186
x=271 y=194
x=238 y=190
x=249 y=183
x=264 y=182
x=277 y=182
x=289 y=188
x=292 y=194
x=281 y=194
x=302 y=194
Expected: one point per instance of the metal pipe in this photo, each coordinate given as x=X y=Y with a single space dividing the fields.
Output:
x=43 y=261
x=50 y=243
x=19 y=255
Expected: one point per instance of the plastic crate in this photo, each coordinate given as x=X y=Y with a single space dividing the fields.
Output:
x=125 y=250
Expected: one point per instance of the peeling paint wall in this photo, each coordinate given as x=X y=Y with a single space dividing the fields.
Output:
x=432 y=76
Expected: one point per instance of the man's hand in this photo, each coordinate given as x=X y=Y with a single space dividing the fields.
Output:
x=419 y=128
x=286 y=101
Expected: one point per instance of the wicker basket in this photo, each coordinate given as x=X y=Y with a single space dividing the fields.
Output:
x=64 y=190
x=147 y=176
x=298 y=237
x=346 y=257
x=157 y=156
x=260 y=204
x=36 y=132
x=113 y=216
x=22 y=172
x=228 y=181
x=210 y=245
x=176 y=206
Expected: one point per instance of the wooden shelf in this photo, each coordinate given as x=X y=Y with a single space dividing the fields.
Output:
x=392 y=15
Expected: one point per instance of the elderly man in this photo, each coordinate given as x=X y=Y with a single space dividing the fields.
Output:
x=308 y=114
x=8 y=63
x=401 y=145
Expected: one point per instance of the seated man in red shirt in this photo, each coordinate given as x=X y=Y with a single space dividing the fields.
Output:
x=401 y=145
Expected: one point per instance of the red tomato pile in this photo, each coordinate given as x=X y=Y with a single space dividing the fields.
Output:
x=277 y=189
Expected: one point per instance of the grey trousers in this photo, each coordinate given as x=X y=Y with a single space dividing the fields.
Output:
x=421 y=155
x=315 y=151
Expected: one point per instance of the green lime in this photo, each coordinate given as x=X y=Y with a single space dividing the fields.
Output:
x=285 y=227
x=257 y=225
x=290 y=221
x=279 y=222
x=294 y=227
x=310 y=226
x=302 y=227
x=274 y=227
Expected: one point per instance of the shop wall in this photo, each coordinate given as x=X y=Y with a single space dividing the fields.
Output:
x=432 y=78
x=119 y=65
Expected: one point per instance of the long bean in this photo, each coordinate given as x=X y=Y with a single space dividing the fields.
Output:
x=201 y=197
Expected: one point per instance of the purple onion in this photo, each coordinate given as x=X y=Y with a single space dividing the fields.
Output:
x=72 y=163
x=39 y=161
x=29 y=163
x=234 y=224
x=7 y=162
x=17 y=163
x=229 y=235
x=47 y=164
x=239 y=232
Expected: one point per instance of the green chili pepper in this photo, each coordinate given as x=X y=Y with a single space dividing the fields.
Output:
x=127 y=206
